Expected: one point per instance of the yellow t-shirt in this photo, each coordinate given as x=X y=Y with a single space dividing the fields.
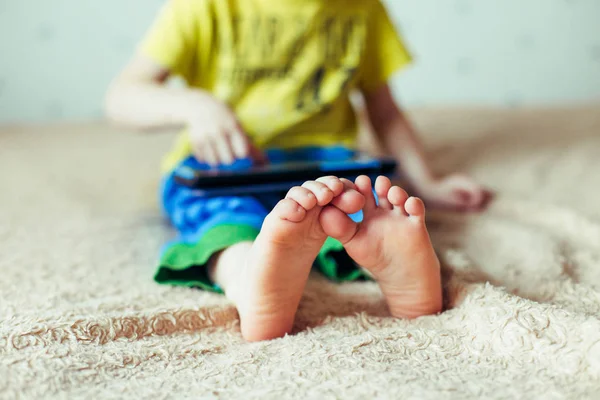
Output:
x=285 y=67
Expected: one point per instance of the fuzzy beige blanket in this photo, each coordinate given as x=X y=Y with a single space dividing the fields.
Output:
x=80 y=316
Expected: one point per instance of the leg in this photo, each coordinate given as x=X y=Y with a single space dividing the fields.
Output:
x=393 y=244
x=266 y=279
x=206 y=226
x=225 y=265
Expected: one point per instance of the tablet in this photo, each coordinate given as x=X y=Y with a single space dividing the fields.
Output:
x=278 y=176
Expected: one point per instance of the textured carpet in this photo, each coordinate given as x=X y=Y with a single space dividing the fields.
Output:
x=80 y=316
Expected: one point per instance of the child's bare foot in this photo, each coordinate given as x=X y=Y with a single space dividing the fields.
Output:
x=268 y=290
x=393 y=244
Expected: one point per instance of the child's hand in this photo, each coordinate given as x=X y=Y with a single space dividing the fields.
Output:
x=455 y=192
x=216 y=135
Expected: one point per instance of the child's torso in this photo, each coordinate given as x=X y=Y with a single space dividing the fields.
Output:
x=285 y=66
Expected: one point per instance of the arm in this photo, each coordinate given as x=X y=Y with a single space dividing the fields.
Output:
x=139 y=98
x=394 y=132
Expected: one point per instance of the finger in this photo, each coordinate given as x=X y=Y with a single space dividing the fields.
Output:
x=198 y=150
x=197 y=140
x=210 y=154
x=476 y=196
x=470 y=192
x=462 y=197
x=240 y=144
x=223 y=150
x=323 y=193
x=198 y=153
x=488 y=197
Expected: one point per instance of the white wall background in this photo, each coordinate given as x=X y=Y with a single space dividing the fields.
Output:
x=57 y=56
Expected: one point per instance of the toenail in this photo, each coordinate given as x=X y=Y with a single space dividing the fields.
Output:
x=299 y=209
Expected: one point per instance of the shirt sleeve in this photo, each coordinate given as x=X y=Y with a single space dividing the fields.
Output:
x=172 y=40
x=385 y=53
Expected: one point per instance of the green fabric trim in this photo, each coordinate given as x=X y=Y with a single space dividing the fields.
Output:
x=336 y=264
x=185 y=264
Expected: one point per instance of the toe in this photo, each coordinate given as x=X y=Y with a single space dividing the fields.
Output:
x=397 y=197
x=321 y=191
x=303 y=197
x=363 y=185
x=415 y=207
x=289 y=210
x=348 y=184
x=382 y=188
x=350 y=202
x=337 y=224
x=334 y=184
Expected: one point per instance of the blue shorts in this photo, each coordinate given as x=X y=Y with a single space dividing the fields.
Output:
x=206 y=226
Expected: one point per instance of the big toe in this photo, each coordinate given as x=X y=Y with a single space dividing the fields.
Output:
x=350 y=201
x=337 y=224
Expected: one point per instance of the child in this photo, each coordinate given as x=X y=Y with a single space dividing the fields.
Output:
x=269 y=80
